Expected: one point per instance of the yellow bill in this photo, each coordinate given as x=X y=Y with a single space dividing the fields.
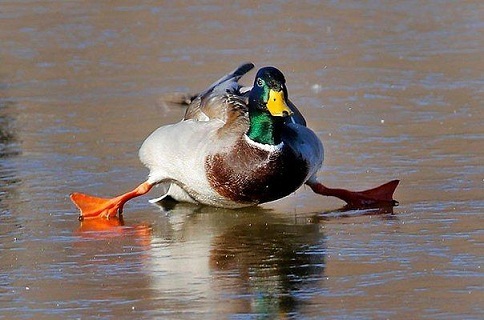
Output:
x=277 y=105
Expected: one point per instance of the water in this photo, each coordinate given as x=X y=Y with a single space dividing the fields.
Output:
x=394 y=89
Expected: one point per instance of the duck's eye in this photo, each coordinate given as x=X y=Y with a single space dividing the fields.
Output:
x=260 y=82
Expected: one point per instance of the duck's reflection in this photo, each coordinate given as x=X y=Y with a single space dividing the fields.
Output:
x=217 y=261
x=271 y=264
x=241 y=261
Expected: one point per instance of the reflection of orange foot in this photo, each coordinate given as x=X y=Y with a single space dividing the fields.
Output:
x=143 y=230
x=115 y=224
x=114 y=227
x=94 y=207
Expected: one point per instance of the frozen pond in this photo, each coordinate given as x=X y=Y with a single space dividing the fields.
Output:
x=394 y=89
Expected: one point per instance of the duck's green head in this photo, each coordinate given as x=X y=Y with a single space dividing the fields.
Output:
x=269 y=93
x=268 y=106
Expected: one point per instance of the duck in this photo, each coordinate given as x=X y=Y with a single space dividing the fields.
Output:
x=236 y=146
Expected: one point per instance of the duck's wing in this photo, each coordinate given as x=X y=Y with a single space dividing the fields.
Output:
x=229 y=81
x=218 y=99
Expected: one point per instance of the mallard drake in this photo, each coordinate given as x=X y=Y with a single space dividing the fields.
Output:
x=235 y=147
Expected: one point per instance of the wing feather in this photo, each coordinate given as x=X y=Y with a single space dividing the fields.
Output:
x=210 y=104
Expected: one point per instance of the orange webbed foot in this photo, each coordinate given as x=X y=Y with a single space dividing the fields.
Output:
x=381 y=196
x=95 y=207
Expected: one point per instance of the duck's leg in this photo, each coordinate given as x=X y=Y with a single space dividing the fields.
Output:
x=379 y=196
x=94 y=207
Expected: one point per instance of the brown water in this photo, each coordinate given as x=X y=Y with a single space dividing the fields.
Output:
x=394 y=89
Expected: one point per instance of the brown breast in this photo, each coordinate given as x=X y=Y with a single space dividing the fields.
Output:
x=250 y=174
